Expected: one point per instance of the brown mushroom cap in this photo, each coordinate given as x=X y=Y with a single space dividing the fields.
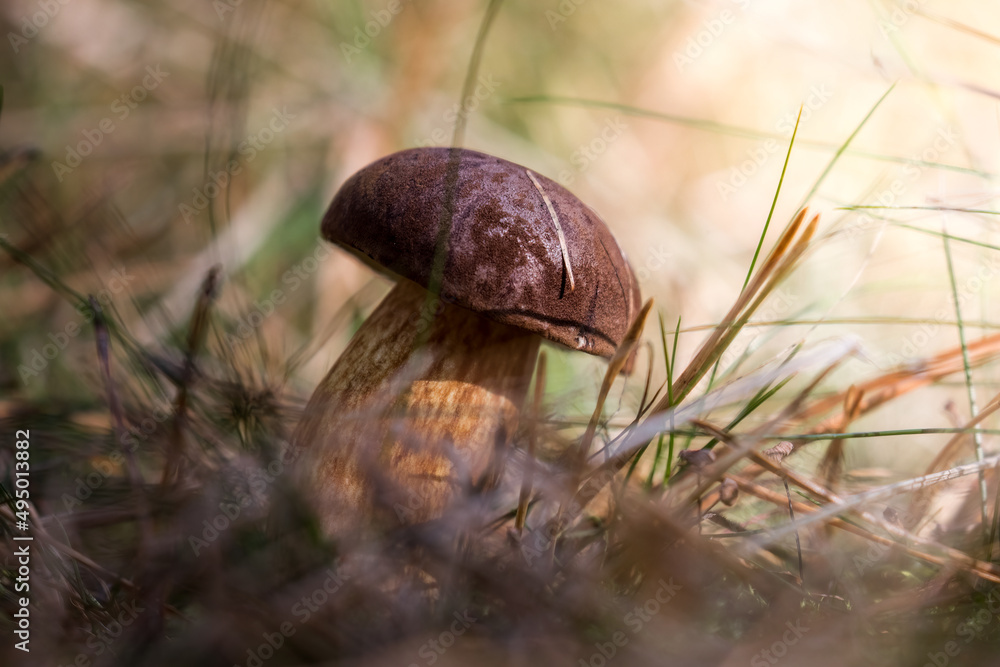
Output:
x=504 y=259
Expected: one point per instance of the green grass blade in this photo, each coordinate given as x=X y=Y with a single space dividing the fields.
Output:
x=473 y=71
x=774 y=203
x=670 y=358
x=970 y=389
x=805 y=437
x=733 y=130
x=843 y=147
x=946 y=236
x=950 y=209
x=759 y=399
x=451 y=173
x=671 y=437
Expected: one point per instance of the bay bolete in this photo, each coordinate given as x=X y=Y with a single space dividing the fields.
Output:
x=424 y=400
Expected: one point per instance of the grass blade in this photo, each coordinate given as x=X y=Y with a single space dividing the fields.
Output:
x=843 y=146
x=774 y=201
x=970 y=389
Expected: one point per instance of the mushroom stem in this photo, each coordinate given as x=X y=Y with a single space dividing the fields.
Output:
x=419 y=408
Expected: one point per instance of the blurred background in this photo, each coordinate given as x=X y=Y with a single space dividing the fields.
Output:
x=145 y=142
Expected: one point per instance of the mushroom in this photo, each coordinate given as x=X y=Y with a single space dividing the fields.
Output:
x=424 y=401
